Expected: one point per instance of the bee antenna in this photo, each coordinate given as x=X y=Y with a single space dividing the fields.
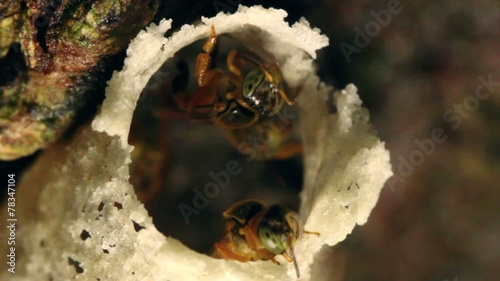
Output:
x=295 y=262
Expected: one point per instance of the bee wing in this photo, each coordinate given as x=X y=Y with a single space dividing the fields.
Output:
x=244 y=210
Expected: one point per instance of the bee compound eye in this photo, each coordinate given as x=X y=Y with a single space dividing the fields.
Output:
x=261 y=94
x=251 y=82
x=271 y=241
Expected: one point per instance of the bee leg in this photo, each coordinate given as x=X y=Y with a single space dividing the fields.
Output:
x=287 y=257
x=252 y=239
x=273 y=75
x=204 y=73
x=209 y=45
x=206 y=76
x=222 y=252
x=205 y=96
x=285 y=97
x=231 y=64
x=311 y=232
x=275 y=261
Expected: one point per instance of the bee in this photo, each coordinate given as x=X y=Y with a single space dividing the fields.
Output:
x=244 y=100
x=256 y=232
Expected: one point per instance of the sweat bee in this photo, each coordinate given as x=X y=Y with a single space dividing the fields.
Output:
x=245 y=100
x=256 y=232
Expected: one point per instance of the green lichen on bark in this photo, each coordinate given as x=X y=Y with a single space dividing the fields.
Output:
x=51 y=54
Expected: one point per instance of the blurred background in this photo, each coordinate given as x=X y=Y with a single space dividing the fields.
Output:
x=417 y=71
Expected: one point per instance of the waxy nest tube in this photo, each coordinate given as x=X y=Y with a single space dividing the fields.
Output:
x=81 y=219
